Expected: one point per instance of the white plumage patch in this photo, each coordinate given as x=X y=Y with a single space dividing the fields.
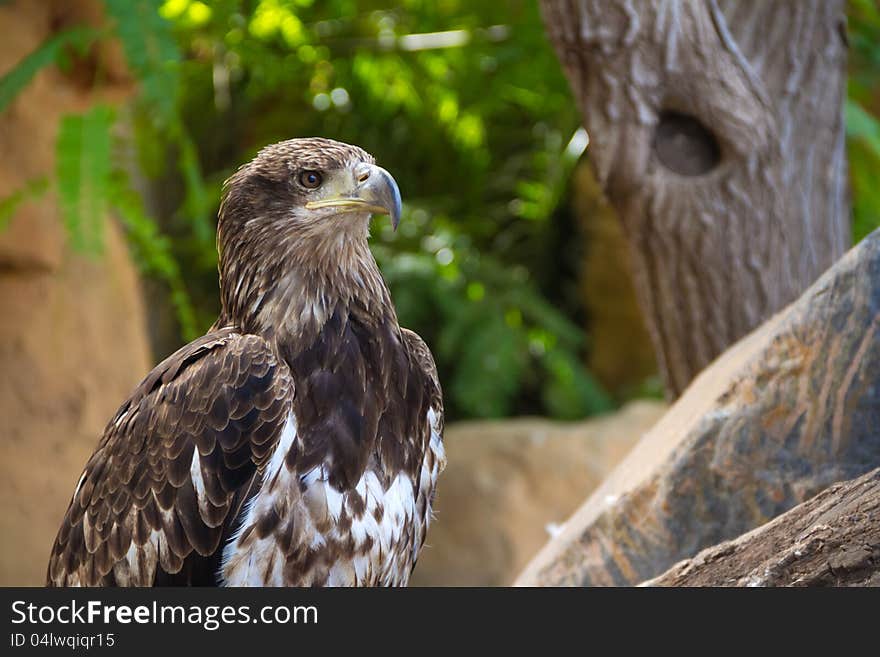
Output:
x=246 y=562
x=288 y=436
x=79 y=483
x=370 y=535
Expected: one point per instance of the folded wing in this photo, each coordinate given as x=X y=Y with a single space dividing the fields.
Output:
x=174 y=467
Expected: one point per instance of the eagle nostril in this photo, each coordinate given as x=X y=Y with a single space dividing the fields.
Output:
x=362 y=177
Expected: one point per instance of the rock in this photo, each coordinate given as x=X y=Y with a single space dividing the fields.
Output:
x=508 y=483
x=72 y=339
x=832 y=539
x=780 y=416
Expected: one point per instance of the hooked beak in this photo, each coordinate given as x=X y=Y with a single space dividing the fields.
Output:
x=375 y=191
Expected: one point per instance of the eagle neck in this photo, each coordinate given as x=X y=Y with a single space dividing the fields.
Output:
x=293 y=301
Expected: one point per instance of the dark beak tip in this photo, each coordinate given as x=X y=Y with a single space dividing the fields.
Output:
x=396 y=208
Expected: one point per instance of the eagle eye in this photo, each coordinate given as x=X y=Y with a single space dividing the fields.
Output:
x=310 y=179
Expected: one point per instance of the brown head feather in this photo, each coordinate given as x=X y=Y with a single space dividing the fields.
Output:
x=284 y=268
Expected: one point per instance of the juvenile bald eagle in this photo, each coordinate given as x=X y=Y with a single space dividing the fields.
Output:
x=299 y=441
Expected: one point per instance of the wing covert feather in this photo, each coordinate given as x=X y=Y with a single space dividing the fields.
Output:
x=165 y=483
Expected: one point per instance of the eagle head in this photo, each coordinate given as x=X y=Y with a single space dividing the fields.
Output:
x=293 y=228
x=312 y=185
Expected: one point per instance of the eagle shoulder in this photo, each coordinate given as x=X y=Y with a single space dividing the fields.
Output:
x=424 y=360
x=172 y=468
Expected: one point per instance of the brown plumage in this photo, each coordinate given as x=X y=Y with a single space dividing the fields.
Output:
x=299 y=441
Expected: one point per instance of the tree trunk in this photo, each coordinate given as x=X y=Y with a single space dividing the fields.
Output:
x=717 y=133
x=830 y=540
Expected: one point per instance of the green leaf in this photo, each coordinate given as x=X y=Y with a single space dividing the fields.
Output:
x=151 y=52
x=572 y=392
x=197 y=203
x=32 y=189
x=49 y=52
x=864 y=170
x=151 y=249
x=862 y=125
x=83 y=167
x=490 y=369
x=863 y=132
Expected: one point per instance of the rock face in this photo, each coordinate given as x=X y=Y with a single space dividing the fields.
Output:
x=780 y=416
x=508 y=483
x=72 y=339
x=832 y=539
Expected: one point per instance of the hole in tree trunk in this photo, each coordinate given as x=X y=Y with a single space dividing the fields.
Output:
x=685 y=146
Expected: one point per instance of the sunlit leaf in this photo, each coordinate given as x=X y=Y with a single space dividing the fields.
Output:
x=151 y=52
x=83 y=166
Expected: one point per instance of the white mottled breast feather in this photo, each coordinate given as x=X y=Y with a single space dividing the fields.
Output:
x=369 y=536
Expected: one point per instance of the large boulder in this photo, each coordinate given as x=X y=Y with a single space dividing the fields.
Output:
x=508 y=483
x=832 y=539
x=780 y=416
x=72 y=339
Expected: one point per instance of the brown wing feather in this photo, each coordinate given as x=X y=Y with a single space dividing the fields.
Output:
x=423 y=358
x=434 y=459
x=139 y=516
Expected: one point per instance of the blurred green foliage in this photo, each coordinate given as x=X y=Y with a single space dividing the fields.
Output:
x=862 y=109
x=463 y=100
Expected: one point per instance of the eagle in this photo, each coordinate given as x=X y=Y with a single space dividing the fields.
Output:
x=299 y=441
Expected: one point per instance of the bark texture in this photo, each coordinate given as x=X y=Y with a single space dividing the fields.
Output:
x=717 y=133
x=780 y=416
x=830 y=540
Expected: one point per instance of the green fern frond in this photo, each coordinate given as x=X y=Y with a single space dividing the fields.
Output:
x=151 y=249
x=49 y=52
x=197 y=203
x=151 y=52
x=83 y=166
x=32 y=189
